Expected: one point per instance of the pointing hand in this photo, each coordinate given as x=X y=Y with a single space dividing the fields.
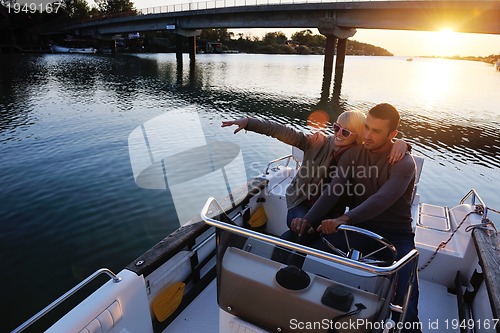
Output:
x=241 y=123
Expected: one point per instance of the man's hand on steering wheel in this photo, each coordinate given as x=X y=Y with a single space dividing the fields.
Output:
x=330 y=226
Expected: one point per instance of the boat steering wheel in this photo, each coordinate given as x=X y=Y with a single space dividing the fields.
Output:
x=357 y=255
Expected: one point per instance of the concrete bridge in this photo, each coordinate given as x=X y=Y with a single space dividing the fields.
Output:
x=460 y=16
x=337 y=20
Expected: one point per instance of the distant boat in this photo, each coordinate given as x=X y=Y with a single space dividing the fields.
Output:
x=497 y=65
x=213 y=47
x=409 y=59
x=64 y=49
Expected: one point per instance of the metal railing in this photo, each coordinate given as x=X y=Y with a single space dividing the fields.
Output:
x=61 y=299
x=203 y=5
x=212 y=4
x=287 y=157
x=211 y=202
x=474 y=195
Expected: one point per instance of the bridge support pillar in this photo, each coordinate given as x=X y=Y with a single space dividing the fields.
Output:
x=191 y=35
x=328 y=66
x=333 y=34
x=192 y=48
x=339 y=66
x=113 y=46
x=178 y=49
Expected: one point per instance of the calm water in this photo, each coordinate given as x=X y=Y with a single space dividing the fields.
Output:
x=68 y=201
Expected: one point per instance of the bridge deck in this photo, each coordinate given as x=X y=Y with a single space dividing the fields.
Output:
x=460 y=16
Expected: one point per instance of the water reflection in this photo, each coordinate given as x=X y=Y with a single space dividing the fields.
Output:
x=84 y=79
x=435 y=82
x=457 y=143
x=70 y=203
x=20 y=80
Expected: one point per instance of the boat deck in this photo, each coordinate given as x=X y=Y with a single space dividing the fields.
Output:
x=202 y=315
x=437 y=310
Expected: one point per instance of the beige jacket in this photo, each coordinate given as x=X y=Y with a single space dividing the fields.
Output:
x=318 y=159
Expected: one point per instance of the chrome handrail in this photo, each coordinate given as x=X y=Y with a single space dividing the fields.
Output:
x=61 y=299
x=475 y=195
x=304 y=249
x=289 y=157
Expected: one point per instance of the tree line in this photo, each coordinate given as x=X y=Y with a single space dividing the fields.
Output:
x=77 y=9
x=300 y=42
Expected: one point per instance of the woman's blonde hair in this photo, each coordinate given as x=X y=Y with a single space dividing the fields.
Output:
x=354 y=121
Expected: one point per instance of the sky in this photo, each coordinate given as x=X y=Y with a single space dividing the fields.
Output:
x=440 y=43
x=415 y=43
x=400 y=43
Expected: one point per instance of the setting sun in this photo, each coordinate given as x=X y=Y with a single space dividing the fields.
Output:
x=444 y=42
x=445 y=33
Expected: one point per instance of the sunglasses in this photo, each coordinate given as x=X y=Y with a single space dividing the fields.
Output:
x=345 y=132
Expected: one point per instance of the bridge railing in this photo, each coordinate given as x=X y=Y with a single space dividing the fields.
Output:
x=202 y=5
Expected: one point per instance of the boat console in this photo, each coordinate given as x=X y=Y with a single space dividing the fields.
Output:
x=283 y=296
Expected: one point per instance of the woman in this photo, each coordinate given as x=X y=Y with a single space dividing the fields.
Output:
x=321 y=151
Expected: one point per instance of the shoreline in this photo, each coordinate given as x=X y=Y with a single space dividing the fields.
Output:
x=491 y=59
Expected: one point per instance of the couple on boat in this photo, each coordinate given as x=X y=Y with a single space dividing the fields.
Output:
x=360 y=167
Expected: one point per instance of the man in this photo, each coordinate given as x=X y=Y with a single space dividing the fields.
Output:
x=381 y=196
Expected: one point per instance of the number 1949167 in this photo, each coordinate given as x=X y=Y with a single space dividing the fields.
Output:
x=472 y=324
x=17 y=8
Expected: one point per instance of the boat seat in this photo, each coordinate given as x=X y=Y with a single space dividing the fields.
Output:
x=284 y=174
x=419 y=164
x=279 y=179
x=415 y=198
x=298 y=155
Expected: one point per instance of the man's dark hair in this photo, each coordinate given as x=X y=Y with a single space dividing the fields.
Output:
x=387 y=112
